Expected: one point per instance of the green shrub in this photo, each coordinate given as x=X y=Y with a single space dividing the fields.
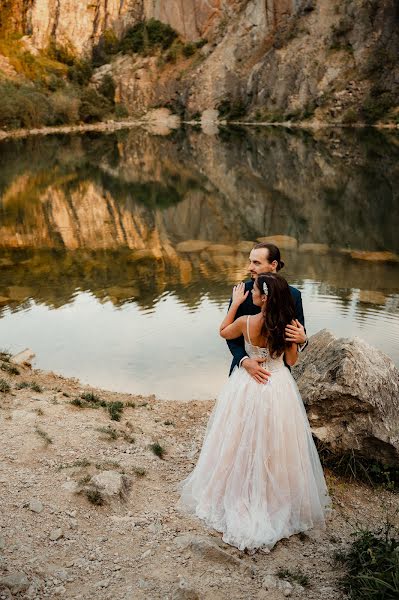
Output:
x=65 y=108
x=200 y=43
x=23 y=106
x=120 y=111
x=372 y=564
x=80 y=72
x=148 y=36
x=189 y=49
x=36 y=387
x=350 y=116
x=231 y=109
x=61 y=53
x=93 y=106
x=115 y=410
x=377 y=105
x=157 y=449
x=107 y=46
x=94 y=496
x=10 y=369
x=107 y=88
x=4 y=386
x=174 y=52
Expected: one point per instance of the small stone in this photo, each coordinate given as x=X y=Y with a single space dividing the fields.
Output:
x=104 y=583
x=35 y=506
x=59 y=590
x=56 y=534
x=146 y=553
x=62 y=574
x=269 y=582
x=143 y=584
x=111 y=484
x=16 y=582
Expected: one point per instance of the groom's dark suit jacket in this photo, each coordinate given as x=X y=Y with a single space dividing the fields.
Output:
x=236 y=346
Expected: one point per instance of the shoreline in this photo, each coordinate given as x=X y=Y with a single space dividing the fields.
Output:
x=110 y=126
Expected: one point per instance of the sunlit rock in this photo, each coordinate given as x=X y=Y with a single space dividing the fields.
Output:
x=315 y=248
x=143 y=254
x=6 y=262
x=122 y=293
x=220 y=249
x=351 y=392
x=192 y=246
x=245 y=246
x=186 y=271
x=375 y=256
x=371 y=297
x=24 y=357
x=282 y=241
x=17 y=292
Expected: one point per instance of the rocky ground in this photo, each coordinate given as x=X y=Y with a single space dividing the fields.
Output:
x=55 y=542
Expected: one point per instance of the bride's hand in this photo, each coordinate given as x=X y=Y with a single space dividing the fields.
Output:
x=239 y=294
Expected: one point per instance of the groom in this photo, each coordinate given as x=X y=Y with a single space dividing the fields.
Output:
x=265 y=258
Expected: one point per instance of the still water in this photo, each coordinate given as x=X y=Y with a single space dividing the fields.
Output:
x=102 y=275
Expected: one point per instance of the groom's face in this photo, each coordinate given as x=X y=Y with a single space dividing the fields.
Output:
x=259 y=262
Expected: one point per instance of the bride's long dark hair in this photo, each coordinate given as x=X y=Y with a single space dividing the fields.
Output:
x=280 y=311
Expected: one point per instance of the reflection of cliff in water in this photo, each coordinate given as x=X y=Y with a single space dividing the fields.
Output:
x=105 y=213
x=52 y=277
x=134 y=190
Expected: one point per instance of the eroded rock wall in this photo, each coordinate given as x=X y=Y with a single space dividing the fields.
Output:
x=271 y=59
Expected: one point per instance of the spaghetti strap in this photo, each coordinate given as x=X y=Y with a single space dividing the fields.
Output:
x=249 y=337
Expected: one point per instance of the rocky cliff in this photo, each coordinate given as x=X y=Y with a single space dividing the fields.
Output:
x=267 y=59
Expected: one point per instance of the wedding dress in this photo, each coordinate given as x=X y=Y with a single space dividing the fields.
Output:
x=258 y=477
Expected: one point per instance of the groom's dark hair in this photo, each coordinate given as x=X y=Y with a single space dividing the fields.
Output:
x=273 y=254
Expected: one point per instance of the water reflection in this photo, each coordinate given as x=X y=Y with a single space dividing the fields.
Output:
x=100 y=225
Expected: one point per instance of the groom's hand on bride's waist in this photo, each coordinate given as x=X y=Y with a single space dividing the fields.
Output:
x=254 y=368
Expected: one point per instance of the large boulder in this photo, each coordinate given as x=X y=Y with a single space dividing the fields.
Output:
x=351 y=393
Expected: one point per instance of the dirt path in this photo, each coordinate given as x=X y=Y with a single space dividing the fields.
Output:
x=140 y=546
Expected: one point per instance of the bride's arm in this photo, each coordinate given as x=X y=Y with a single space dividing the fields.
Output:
x=230 y=328
x=291 y=354
x=234 y=330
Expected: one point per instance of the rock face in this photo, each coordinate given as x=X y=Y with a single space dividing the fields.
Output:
x=276 y=60
x=351 y=392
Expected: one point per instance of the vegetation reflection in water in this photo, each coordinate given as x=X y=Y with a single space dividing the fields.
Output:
x=113 y=215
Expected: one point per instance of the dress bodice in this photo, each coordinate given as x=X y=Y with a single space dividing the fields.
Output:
x=270 y=364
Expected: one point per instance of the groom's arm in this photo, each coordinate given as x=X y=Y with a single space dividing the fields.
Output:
x=301 y=318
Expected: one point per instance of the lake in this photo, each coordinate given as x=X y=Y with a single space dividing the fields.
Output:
x=102 y=269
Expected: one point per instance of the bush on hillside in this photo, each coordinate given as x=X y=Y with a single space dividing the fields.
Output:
x=23 y=106
x=65 y=108
x=107 y=88
x=107 y=46
x=94 y=106
x=148 y=36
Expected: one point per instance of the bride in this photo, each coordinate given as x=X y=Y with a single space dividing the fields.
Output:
x=258 y=477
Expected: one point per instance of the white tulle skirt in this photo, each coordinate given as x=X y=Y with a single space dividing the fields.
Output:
x=258 y=477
